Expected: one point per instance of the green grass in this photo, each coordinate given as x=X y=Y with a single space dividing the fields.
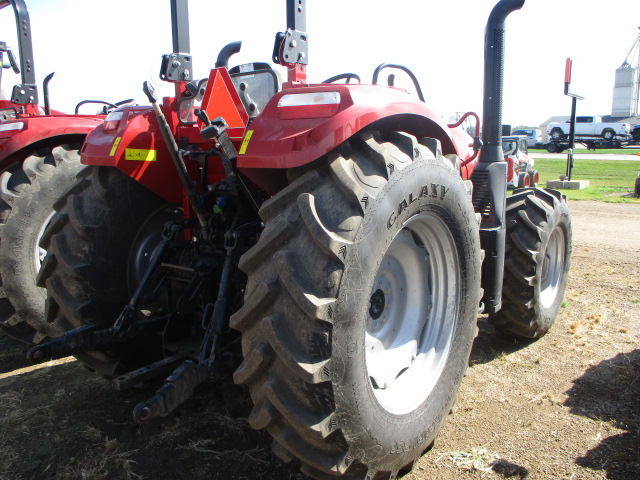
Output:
x=604 y=151
x=610 y=180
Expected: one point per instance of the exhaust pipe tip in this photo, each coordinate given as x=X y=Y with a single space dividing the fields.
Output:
x=494 y=77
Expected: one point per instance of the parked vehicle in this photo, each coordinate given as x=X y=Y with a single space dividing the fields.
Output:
x=339 y=233
x=534 y=136
x=591 y=143
x=39 y=160
x=520 y=172
x=589 y=126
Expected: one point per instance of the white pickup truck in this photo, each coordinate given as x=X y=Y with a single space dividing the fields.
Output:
x=592 y=126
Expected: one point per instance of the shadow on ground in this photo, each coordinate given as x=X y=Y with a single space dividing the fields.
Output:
x=13 y=354
x=64 y=422
x=610 y=393
x=490 y=344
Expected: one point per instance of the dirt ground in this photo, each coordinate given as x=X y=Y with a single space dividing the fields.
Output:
x=564 y=407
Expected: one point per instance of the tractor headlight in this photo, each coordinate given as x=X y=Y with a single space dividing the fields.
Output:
x=112 y=122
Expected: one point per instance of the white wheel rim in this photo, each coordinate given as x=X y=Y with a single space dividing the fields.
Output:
x=552 y=268
x=412 y=314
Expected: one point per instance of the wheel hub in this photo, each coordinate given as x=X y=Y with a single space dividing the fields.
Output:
x=552 y=268
x=412 y=313
x=377 y=303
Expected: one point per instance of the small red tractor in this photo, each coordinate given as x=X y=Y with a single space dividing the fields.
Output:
x=332 y=242
x=39 y=160
x=520 y=172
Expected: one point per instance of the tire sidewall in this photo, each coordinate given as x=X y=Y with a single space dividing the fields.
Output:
x=376 y=432
x=21 y=234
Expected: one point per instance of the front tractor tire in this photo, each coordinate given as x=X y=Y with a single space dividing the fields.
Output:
x=27 y=196
x=360 y=307
x=537 y=260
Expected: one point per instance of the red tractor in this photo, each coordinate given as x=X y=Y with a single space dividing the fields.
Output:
x=39 y=160
x=333 y=242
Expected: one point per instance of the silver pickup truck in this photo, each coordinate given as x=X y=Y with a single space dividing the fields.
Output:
x=591 y=126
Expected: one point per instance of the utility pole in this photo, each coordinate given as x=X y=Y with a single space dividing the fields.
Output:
x=574 y=102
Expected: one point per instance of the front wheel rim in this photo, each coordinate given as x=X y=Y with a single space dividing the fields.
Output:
x=412 y=315
x=552 y=268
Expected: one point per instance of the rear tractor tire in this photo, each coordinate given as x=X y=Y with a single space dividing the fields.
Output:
x=105 y=227
x=27 y=196
x=537 y=260
x=360 y=307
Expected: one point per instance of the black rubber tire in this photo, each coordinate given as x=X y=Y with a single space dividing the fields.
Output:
x=88 y=245
x=523 y=180
x=635 y=133
x=637 y=187
x=538 y=223
x=557 y=134
x=608 y=134
x=308 y=298
x=27 y=195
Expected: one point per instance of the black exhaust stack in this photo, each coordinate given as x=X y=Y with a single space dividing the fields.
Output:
x=490 y=176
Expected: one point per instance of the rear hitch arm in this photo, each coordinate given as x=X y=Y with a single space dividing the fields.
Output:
x=175 y=154
x=79 y=340
x=91 y=337
x=179 y=386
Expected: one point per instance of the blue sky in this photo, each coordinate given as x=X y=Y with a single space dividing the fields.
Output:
x=105 y=50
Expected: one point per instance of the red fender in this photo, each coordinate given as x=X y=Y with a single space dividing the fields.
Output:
x=136 y=147
x=512 y=171
x=134 y=143
x=30 y=130
x=283 y=136
x=291 y=133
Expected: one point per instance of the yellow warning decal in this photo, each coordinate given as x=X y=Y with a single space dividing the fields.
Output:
x=116 y=142
x=140 y=155
x=245 y=142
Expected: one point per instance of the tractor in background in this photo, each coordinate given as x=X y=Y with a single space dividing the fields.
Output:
x=39 y=160
x=333 y=243
x=520 y=172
